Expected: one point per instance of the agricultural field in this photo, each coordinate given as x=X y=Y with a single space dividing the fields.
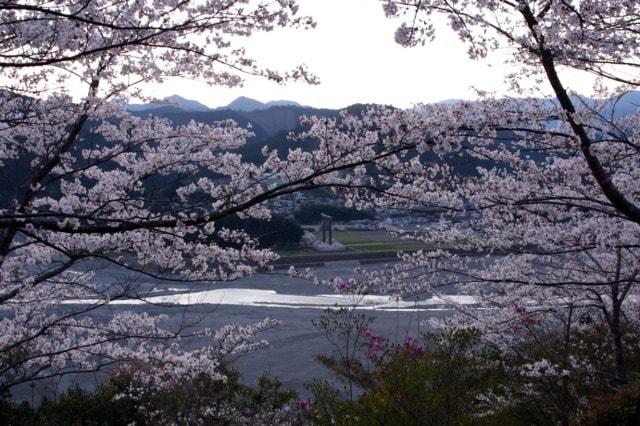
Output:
x=376 y=241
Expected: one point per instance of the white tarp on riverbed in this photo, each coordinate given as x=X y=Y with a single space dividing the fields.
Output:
x=271 y=298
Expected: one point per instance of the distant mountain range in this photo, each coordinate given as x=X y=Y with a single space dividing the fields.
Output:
x=610 y=108
x=242 y=103
x=272 y=121
x=172 y=101
x=270 y=124
x=626 y=105
x=247 y=104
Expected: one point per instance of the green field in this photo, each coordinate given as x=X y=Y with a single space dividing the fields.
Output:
x=352 y=237
x=375 y=241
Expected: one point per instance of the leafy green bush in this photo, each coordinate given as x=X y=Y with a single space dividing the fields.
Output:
x=576 y=369
x=454 y=378
x=124 y=401
x=77 y=407
x=433 y=380
x=621 y=408
x=437 y=382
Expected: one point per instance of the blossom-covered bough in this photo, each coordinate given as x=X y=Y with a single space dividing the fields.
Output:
x=83 y=180
x=552 y=200
x=540 y=193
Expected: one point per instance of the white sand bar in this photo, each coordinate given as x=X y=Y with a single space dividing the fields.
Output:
x=271 y=298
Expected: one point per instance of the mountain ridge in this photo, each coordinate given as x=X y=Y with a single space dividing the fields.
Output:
x=241 y=103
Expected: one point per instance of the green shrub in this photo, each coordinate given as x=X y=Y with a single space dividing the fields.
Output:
x=587 y=366
x=124 y=401
x=621 y=408
x=455 y=378
x=434 y=380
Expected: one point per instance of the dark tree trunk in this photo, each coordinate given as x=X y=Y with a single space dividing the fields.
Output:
x=616 y=335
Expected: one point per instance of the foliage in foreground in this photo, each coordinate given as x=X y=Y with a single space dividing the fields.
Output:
x=446 y=377
x=620 y=408
x=124 y=401
x=452 y=378
x=562 y=186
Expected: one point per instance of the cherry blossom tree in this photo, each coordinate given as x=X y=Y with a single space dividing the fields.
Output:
x=554 y=198
x=540 y=194
x=84 y=180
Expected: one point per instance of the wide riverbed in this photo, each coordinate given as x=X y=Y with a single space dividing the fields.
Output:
x=294 y=302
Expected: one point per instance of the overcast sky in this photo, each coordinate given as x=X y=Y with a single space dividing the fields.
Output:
x=352 y=51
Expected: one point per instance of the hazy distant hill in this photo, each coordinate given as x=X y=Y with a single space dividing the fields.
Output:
x=172 y=101
x=244 y=104
x=241 y=103
x=271 y=126
x=281 y=103
x=624 y=106
x=264 y=122
x=247 y=104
